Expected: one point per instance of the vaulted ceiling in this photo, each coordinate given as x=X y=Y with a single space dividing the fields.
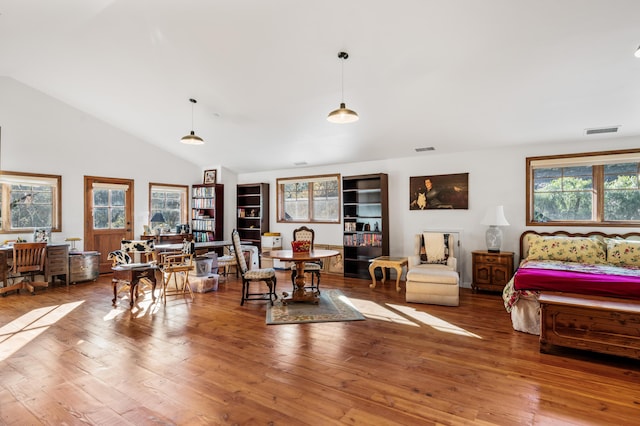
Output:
x=455 y=75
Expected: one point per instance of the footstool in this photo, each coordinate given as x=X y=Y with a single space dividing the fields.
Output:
x=434 y=286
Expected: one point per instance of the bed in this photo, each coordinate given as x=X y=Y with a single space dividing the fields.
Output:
x=589 y=285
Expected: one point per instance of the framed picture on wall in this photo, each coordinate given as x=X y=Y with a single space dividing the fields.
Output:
x=209 y=176
x=439 y=192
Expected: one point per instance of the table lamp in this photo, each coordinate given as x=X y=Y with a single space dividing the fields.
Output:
x=157 y=219
x=494 y=218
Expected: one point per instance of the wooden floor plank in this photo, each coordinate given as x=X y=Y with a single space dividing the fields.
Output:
x=212 y=361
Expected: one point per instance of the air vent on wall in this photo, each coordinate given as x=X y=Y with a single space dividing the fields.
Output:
x=300 y=163
x=426 y=148
x=601 y=130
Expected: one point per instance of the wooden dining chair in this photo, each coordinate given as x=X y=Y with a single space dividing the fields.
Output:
x=267 y=275
x=307 y=234
x=28 y=262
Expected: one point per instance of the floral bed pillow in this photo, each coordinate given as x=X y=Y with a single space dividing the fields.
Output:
x=567 y=249
x=623 y=252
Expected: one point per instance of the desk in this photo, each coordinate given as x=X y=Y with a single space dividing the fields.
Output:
x=198 y=246
x=299 y=258
x=383 y=262
x=57 y=262
x=133 y=277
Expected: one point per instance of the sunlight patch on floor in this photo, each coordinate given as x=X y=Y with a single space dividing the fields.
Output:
x=22 y=330
x=145 y=305
x=433 y=321
x=376 y=311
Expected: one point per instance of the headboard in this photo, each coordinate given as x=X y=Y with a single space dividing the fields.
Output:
x=524 y=238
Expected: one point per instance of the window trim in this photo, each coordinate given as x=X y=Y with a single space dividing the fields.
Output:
x=56 y=219
x=597 y=159
x=309 y=179
x=184 y=211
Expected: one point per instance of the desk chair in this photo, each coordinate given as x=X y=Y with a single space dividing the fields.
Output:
x=306 y=234
x=173 y=264
x=28 y=261
x=145 y=249
x=268 y=275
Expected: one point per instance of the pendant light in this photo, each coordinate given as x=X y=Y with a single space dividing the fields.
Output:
x=343 y=114
x=192 y=138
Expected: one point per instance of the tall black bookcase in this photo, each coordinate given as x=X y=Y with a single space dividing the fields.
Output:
x=207 y=203
x=365 y=200
x=253 y=212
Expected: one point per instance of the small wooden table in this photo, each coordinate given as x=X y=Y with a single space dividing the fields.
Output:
x=383 y=262
x=133 y=275
x=300 y=294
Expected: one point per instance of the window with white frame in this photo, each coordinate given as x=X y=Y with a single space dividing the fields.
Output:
x=29 y=201
x=598 y=188
x=169 y=200
x=309 y=199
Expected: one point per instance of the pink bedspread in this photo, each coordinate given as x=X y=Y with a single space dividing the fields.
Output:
x=603 y=280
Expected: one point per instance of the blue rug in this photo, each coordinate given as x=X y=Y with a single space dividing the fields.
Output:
x=333 y=306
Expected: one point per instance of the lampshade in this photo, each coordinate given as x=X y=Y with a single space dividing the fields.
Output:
x=192 y=138
x=157 y=218
x=495 y=217
x=342 y=115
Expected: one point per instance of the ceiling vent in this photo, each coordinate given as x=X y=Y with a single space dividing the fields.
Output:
x=426 y=148
x=300 y=163
x=601 y=130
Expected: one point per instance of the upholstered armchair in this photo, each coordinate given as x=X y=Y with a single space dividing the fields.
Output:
x=442 y=257
x=432 y=276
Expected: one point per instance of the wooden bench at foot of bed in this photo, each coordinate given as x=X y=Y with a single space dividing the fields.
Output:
x=599 y=324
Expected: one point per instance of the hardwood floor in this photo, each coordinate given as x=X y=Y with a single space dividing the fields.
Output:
x=68 y=357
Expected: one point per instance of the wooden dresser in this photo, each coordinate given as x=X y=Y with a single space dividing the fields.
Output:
x=491 y=271
x=57 y=263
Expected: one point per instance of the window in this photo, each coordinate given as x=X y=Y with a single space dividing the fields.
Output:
x=109 y=205
x=598 y=188
x=170 y=201
x=309 y=199
x=29 y=201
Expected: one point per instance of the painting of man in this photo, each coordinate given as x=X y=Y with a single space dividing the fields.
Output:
x=439 y=192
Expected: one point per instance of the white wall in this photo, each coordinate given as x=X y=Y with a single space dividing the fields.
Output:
x=496 y=177
x=43 y=135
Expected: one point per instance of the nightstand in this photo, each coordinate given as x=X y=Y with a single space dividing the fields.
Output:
x=491 y=271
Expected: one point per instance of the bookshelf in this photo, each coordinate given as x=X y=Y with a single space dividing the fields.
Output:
x=253 y=212
x=207 y=212
x=365 y=201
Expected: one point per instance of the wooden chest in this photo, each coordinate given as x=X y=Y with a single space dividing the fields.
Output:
x=84 y=266
x=599 y=324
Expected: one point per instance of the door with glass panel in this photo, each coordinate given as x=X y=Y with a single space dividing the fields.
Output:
x=108 y=215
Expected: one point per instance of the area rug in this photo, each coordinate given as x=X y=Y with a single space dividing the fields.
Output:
x=333 y=306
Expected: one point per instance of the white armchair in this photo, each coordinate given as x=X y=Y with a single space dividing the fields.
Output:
x=432 y=275
x=418 y=259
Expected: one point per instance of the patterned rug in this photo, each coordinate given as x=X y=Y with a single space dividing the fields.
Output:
x=333 y=306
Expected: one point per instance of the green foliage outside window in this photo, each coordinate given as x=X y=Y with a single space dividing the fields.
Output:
x=581 y=194
x=309 y=199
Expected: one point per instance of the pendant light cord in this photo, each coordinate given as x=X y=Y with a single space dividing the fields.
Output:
x=343 y=56
x=193 y=102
